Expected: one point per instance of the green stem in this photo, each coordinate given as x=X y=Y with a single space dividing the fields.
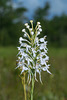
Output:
x=32 y=87
x=24 y=84
x=25 y=88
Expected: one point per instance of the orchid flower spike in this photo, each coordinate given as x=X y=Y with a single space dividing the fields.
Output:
x=32 y=56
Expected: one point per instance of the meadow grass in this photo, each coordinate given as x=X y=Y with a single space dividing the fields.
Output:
x=54 y=86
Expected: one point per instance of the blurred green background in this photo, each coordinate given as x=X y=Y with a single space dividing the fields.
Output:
x=11 y=23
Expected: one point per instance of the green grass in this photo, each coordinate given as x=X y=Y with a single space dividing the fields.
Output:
x=54 y=86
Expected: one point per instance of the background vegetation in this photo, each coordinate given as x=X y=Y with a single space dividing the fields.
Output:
x=11 y=23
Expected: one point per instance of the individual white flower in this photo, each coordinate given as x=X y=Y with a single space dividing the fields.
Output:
x=38 y=23
x=37 y=41
x=26 y=24
x=25 y=35
x=47 y=58
x=43 y=62
x=39 y=26
x=32 y=33
x=33 y=52
x=41 y=39
x=23 y=30
x=20 y=40
x=40 y=29
x=19 y=48
x=38 y=33
x=28 y=47
x=18 y=57
x=43 y=45
x=45 y=37
x=24 y=69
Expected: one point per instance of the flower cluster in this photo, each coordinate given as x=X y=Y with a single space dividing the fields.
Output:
x=32 y=56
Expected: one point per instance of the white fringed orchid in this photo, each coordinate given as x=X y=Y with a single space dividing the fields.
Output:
x=33 y=52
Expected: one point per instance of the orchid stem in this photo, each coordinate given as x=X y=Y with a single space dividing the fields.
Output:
x=32 y=89
x=24 y=84
x=25 y=87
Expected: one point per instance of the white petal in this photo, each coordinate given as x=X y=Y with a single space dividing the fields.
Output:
x=37 y=58
x=30 y=79
x=26 y=24
x=40 y=29
x=18 y=57
x=20 y=40
x=41 y=39
x=38 y=22
x=18 y=48
x=47 y=58
x=32 y=33
x=48 y=71
x=45 y=37
x=25 y=35
x=43 y=61
x=39 y=26
x=23 y=30
x=35 y=77
x=38 y=33
x=40 y=77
